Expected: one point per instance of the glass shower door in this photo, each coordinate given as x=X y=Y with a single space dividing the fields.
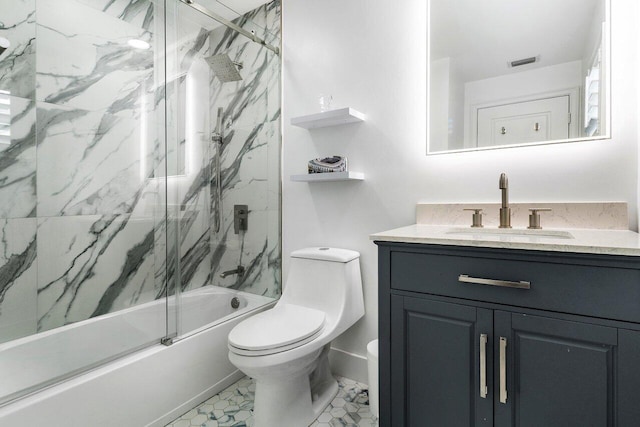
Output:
x=223 y=139
x=82 y=201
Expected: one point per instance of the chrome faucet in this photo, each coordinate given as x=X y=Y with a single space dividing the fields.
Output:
x=239 y=271
x=505 y=210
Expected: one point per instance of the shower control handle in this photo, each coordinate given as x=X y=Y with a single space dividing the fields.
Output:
x=240 y=218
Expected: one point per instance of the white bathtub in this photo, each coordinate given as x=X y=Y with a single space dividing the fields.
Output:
x=147 y=387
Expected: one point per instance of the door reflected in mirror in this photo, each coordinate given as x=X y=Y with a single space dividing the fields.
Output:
x=506 y=73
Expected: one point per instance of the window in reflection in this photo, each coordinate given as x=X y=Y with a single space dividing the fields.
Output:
x=592 y=99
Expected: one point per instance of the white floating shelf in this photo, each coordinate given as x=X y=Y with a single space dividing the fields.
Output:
x=337 y=117
x=328 y=177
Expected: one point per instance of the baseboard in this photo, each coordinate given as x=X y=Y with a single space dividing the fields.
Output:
x=195 y=401
x=348 y=365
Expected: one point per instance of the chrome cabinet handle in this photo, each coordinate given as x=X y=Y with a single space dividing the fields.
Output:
x=492 y=282
x=483 y=366
x=503 y=370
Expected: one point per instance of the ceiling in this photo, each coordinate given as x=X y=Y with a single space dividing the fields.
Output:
x=482 y=36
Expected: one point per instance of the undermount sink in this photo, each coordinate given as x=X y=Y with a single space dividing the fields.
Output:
x=512 y=232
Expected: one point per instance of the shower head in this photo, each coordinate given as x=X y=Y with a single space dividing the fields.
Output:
x=4 y=45
x=224 y=68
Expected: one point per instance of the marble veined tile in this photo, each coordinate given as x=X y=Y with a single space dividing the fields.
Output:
x=18 y=271
x=164 y=255
x=188 y=106
x=194 y=231
x=272 y=131
x=93 y=265
x=17 y=63
x=88 y=162
x=274 y=13
x=136 y=12
x=84 y=59
x=272 y=77
x=18 y=158
x=244 y=102
x=249 y=139
x=274 y=252
x=250 y=168
x=253 y=255
x=244 y=158
x=264 y=21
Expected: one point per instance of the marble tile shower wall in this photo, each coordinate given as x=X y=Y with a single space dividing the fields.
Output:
x=73 y=245
x=250 y=160
x=82 y=231
x=251 y=154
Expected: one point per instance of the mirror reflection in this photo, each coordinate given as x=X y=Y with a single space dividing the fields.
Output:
x=505 y=73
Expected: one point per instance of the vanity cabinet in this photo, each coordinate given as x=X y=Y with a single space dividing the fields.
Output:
x=487 y=351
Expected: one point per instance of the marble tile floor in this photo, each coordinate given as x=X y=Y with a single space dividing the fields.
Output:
x=233 y=407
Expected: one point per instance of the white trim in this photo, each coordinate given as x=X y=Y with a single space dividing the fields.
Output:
x=349 y=365
x=574 y=108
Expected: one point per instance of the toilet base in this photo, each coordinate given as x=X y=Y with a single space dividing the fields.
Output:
x=297 y=399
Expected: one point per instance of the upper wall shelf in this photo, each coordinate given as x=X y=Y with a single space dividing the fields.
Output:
x=337 y=117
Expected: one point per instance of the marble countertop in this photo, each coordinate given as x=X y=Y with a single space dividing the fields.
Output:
x=609 y=242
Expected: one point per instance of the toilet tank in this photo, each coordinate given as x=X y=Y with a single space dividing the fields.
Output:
x=326 y=279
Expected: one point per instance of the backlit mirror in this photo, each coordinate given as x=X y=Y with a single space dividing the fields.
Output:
x=506 y=73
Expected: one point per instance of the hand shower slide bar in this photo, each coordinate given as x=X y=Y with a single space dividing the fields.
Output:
x=217 y=139
x=231 y=25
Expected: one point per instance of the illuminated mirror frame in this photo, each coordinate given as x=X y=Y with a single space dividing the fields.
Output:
x=605 y=54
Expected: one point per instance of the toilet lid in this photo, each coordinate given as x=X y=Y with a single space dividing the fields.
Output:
x=281 y=326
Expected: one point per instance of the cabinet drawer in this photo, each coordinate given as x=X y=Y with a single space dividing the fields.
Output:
x=599 y=291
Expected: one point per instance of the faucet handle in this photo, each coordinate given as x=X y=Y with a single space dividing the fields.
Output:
x=534 y=217
x=476 y=217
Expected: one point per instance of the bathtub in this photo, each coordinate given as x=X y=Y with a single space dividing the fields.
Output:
x=148 y=387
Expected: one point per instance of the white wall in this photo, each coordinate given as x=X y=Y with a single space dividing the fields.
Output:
x=371 y=56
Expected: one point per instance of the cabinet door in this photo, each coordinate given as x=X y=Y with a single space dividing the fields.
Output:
x=628 y=379
x=558 y=373
x=435 y=364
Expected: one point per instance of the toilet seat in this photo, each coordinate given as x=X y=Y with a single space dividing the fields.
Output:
x=282 y=328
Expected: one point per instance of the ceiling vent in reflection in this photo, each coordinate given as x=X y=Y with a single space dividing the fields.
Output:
x=524 y=61
x=5 y=117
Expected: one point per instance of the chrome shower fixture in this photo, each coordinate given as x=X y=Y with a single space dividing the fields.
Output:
x=218 y=139
x=224 y=68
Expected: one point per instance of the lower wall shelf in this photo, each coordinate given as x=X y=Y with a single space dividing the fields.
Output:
x=328 y=177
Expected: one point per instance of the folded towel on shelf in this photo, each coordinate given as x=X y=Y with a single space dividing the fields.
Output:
x=328 y=164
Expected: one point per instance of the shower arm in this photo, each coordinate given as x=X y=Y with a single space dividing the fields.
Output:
x=231 y=25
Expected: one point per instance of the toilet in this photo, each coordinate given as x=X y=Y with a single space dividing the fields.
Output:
x=285 y=349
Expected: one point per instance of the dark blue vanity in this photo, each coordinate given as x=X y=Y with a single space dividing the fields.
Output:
x=494 y=336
